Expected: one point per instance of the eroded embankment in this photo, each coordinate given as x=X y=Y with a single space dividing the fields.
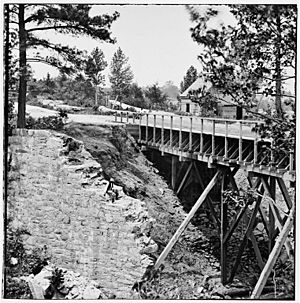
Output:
x=55 y=193
x=185 y=267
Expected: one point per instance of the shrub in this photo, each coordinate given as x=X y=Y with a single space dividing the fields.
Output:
x=25 y=263
x=51 y=122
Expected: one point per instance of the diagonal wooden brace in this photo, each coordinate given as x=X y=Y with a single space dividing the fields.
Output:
x=186 y=221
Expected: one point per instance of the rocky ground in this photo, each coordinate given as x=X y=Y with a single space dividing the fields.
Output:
x=192 y=269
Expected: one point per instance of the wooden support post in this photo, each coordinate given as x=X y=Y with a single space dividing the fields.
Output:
x=162 y=134
x=255 y=149
x=174 y=171
x=116 y=117
x=201 y=137
x=271 y=215
x=245 y=239
x=133 y=118
x=191 y=135
x=186 y=221
x=209 y=200
x=127 y=117
x=184 y=178
x=213 y=138
x=180 y=134
x=226 y=141
x=154 y=129
x=171 y=131
x=273 y=255
x=235 y=223
x=223 y=229
x=257 y=251
x=147 y=128
x=241 y=142
x=121 y=115
x=140 y=129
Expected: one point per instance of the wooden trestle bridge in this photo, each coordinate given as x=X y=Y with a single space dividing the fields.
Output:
x=226 y=146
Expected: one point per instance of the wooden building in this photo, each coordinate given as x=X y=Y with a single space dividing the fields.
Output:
x=225 y=106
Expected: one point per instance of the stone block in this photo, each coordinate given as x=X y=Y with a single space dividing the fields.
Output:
x=91 y=293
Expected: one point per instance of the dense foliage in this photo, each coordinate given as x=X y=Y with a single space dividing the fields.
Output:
x=120 y=76
x=136 y=96
x=76 y=91
x=254 y=57
x=156 y=97
x=51 y=122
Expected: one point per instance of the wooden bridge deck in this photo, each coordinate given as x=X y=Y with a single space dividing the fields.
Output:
x=215 y=141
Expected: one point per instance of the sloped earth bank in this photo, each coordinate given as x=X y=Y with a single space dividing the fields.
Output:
x=192 y=269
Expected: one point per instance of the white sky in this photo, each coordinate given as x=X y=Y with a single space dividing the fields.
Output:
x=156 y=38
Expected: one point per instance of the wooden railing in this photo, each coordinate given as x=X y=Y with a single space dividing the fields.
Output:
x=241 y=130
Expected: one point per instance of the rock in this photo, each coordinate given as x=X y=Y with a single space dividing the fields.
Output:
x=42 y=279
x=91 y=293
x=14 y=261
x=149 y=249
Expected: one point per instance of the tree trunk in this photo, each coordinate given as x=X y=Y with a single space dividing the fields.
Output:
x=278 y=64
x=96 y=95
x=23 y=69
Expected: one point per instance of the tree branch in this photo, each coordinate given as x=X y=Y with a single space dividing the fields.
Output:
x=54 y=27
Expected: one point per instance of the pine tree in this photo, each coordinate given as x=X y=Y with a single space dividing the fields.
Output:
x=94 y=68
x=121 y=75
x=156 y=96
x=62 y=18
x=190 y=77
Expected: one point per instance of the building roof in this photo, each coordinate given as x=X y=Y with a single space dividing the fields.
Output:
x=199 y=83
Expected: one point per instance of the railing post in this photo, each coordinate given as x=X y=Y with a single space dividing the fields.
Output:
x=127 y=117
x=201 y=137
x=213 y=138
x=147 y=128
x=171 y=131
x=162 y=133
x=191 y=135
x=140 y=128
x=154 y=129
x=180 y=133
x=226 y=141
x=133 y=118
x=241 y=142
x=121 y=115
x=116 y=116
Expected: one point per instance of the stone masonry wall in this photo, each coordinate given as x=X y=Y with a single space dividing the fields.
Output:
x=57 y=195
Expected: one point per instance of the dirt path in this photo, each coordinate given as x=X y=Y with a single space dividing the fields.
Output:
x=36 y=112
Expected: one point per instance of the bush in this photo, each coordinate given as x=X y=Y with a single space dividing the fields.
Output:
x=50 y=122
x=12 y=118
x=19 y=262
